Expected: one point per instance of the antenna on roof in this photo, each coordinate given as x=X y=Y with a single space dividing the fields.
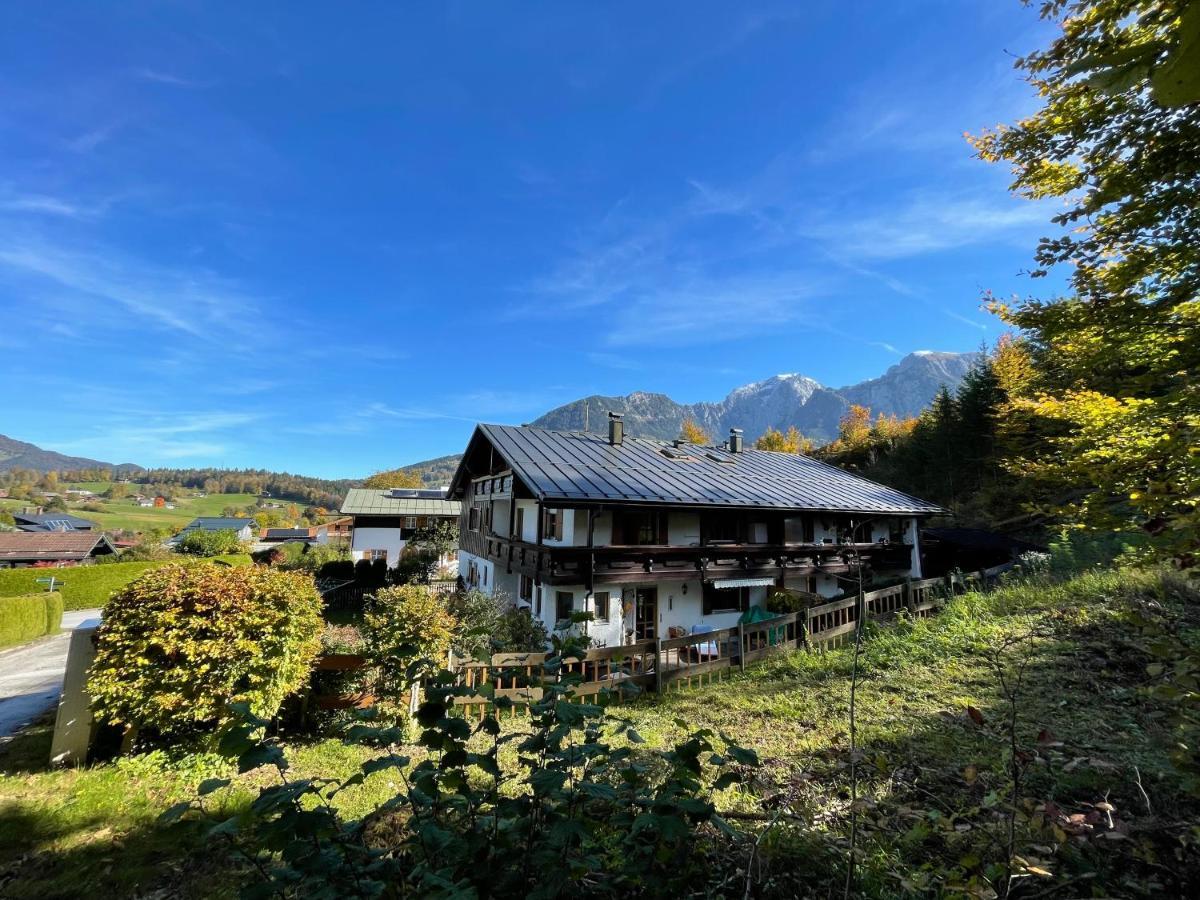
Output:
x=585 y=415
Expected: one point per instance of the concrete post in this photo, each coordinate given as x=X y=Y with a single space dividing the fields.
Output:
x=73 y=725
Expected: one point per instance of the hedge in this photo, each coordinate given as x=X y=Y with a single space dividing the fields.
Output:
x=86 y=587
x=29 y=617
x=182 y=644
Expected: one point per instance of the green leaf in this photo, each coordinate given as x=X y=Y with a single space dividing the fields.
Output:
x=174 y=813
x=208 y=785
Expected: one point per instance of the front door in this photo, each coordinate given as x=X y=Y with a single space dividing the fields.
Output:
x=645 y=614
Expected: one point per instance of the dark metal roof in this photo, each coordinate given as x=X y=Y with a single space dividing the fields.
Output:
x=52 y=521
x=576 y=466
x=218 y=523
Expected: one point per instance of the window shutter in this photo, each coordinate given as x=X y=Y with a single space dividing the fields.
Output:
x=662 y=528
x=708 y=592
x=558 y=524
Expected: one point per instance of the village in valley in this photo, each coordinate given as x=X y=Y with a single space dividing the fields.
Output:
x=612 y=451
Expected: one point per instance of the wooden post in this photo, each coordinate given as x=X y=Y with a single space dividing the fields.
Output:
x=742 y=646
x=658 y=666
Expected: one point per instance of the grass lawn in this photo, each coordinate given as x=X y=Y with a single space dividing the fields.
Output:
x=125 y=514
x=931 y=769
x=88 y=587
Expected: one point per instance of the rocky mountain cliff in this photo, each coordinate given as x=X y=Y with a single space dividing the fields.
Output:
x=777 y=402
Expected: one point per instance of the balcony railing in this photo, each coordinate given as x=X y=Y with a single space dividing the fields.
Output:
x=570 y=564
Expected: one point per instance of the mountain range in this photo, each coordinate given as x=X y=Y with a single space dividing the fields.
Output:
x=16 y=454
x=780 y=402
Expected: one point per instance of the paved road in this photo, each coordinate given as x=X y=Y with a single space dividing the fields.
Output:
x=31 y=675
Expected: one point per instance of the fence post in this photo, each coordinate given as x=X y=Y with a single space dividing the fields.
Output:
x=414 y=698
x=742 y=646
x=658 y=666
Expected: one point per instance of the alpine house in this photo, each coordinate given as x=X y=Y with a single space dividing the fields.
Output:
x=656 y=538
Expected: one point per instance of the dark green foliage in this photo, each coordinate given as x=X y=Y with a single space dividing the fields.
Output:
x=580 y=813
x=952 y=456
x=29 y=617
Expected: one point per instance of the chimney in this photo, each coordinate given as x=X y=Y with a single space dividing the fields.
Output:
x=735 y=440
x=616 y=429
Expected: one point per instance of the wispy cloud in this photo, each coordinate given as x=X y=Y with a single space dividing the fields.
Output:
x=713 y=310
x=204 y=435
x=160 y=77
x=190 y=301
x=40 y=203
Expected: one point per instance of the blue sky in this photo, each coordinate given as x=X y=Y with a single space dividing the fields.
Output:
x=328 y=239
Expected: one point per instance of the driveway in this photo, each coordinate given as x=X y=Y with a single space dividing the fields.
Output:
x=31 y=675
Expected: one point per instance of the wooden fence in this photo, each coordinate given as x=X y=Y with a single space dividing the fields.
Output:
x=698 y=659
x=694 y=659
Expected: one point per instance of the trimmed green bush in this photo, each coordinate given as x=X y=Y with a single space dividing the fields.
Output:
x=87 y=587
x=209 y=543
x=29 y=617
x=183 y=643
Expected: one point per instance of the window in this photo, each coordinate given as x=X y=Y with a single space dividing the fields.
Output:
x=473 y=518
x=600 y=604
x=525 y=589
x=519 y=527
x=375 y=554
x=564 y=605
x=897 y=529
x=639 y=528
x=485 y=571
x=552 y=524
x=410 y=521
x=728 y=600
x=723 y=528
x=538 y=603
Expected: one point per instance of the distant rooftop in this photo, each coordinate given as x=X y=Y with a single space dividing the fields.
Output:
x=399 y=502
x=218 y=523
x=52 y=521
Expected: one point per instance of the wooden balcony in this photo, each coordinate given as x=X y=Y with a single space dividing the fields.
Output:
x=555 y=564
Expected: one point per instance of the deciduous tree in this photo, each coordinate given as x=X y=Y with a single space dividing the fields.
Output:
x=1114 y=361
x=691 y=432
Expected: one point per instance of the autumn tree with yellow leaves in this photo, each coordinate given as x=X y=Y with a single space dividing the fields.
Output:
x=1112 y=379
x=691 y=432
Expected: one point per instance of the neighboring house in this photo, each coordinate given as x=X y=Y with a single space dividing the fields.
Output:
x=246 y=528
x=51 y=548
x=384 y=520
x=52 y=521
x=657 y=537
x=336 y=530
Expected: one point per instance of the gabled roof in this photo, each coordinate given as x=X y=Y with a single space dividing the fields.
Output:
x=32 y=546
x=398 y=502
x=52 y=521
x=218 y=523
x=577 y=466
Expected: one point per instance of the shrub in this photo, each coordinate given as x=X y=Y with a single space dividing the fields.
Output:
x=519 y=631
x=404 y=623
x=415 y=567
x=479 y=617
x=209 y=543
x=786 y=602
x=29 y=617
x=182 y=643
x=578 y=815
